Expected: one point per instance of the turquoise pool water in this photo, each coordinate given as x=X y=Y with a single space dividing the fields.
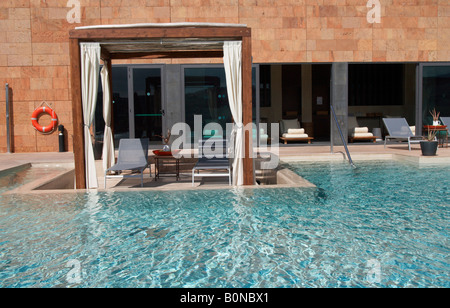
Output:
x=383 y=224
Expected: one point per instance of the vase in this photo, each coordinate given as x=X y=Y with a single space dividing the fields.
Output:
x=428 y=148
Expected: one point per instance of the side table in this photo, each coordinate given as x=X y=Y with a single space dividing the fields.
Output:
x=159 y=162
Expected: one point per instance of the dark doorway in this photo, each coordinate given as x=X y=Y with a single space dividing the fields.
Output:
x=321 y=76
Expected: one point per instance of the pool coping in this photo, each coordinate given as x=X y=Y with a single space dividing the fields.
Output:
x=289 y=178
x=339 y=156
x=16 y=168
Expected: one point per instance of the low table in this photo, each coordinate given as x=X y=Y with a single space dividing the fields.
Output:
x=374 y=138
x=297 y=139
x=160 y=159
x=438 y=128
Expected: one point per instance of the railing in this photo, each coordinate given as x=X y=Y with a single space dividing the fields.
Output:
x=342 y=137
x=8 y=122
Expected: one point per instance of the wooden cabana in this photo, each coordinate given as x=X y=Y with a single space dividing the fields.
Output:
x=155 y=41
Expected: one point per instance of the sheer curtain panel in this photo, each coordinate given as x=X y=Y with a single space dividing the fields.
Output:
x=108 y=142
x=232 y=59
x=90 y=64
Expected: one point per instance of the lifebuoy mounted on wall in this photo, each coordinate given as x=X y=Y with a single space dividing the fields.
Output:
x=44 y=129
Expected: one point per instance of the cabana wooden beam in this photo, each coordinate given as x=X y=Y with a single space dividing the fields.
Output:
x=126 y=34
x=96 y=34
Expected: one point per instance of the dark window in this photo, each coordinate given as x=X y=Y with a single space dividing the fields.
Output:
x=435 y=91
x=265 y=80
x=375 y=84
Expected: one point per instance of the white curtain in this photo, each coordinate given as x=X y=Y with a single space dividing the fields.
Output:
x=232 y=59
x=90 y=64
x=108 y=142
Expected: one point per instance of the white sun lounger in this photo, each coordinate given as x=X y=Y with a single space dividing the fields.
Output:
x=133 y=156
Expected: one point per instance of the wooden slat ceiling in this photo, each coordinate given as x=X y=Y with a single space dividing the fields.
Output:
x=162 y=45
x=163 y=48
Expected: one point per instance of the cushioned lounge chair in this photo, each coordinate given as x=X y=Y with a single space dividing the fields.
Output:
x=399 y=130
x=215 y=164
x=133 y=156
x=356 y=132
x=291 y=131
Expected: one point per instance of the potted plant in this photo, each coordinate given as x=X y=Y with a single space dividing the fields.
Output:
x=429 y=145
x=435 y=116
x=166 y=147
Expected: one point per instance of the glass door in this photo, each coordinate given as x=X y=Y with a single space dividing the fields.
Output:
x=433 y=92
x=146 y=110
x=205 y=94
x=120 y=103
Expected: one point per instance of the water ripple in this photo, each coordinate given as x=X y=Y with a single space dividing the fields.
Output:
x=355 y=224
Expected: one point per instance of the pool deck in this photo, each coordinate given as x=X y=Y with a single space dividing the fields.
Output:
x=9 y=162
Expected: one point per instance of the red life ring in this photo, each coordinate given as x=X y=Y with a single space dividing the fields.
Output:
x=44 y=129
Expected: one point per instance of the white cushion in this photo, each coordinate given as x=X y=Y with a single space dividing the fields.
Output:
x=295 y=135
x=362 y=135
x=361 y=130
x=296 y=131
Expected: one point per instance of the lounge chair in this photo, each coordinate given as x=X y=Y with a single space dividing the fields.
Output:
x=445 y=121
x=133 y=156
x=399 y=130
x=208 y=166
x=356 y=132
x=291 y=131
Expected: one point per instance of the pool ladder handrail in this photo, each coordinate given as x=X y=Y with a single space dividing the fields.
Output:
x=342 y=138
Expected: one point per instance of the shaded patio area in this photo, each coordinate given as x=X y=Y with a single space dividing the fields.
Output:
x=156 y=41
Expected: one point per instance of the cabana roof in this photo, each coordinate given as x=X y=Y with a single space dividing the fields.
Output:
x=153 y=41
x=163 y=40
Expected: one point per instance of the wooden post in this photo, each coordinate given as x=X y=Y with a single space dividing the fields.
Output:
x=247 y=108
x=77 y=114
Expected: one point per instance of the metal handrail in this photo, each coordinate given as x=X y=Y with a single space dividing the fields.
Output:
x=342 y=137
x=8 y=121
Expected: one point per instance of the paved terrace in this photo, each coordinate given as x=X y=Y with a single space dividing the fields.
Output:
x=288 y=153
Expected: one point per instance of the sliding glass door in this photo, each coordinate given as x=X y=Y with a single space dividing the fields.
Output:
x=435 y=90
x=146 y=102
x=205 y=94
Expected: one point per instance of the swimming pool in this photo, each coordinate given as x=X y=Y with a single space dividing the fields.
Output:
x=384 y=224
